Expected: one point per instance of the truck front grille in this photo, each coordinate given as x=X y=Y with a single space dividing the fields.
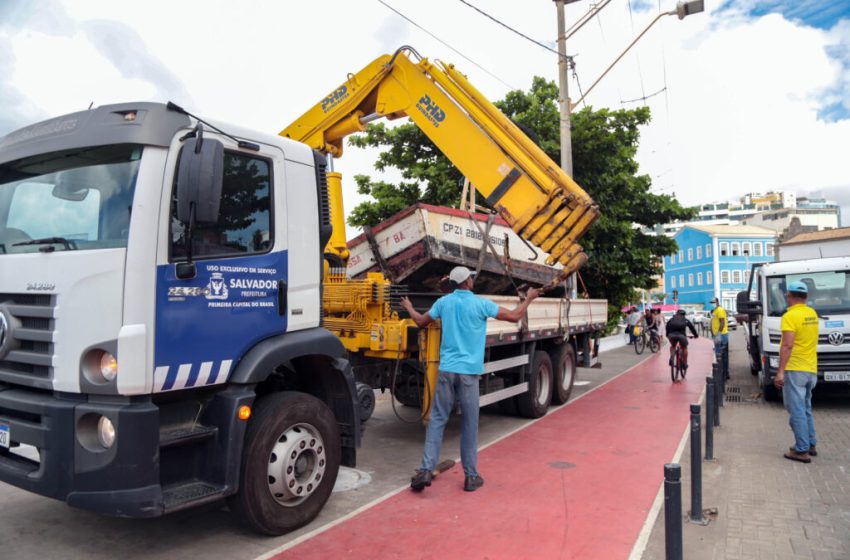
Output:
x=27 y=357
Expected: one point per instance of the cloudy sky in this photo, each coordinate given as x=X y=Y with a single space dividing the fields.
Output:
x=752 y=95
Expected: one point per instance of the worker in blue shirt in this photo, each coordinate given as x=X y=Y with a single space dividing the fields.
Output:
x=463 y=317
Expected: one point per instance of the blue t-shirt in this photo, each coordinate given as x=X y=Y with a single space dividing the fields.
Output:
x=464 y=330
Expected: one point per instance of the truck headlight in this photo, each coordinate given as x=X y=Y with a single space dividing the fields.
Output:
x=774 y=361
x=105 y=432
x=100 y=366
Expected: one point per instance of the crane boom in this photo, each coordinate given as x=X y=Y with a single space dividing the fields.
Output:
x=536 y=198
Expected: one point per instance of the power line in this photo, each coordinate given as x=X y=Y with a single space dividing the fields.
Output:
x=509 y=28
x=637 y=57
x=645 y=97
x=447 y=45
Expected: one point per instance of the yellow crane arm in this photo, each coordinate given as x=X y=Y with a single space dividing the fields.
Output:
x=531 y=192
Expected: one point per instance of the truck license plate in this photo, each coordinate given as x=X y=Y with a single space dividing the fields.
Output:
x=4 y=436
x=836 y=376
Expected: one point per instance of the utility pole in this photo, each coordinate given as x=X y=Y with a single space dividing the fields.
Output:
x=564 y=96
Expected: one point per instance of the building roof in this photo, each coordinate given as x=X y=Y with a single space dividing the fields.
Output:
x=814 y=236
x=733 y=230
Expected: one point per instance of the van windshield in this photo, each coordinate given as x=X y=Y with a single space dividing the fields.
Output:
x=73 y=199
x=829 y=292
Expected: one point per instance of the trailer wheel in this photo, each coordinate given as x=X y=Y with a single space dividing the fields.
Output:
x=564 y=359
x=289 y=463
x=534 y=402
x=366 y=399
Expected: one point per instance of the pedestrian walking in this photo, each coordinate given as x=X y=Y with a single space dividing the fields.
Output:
x=632 y=321
x=720 y=335
x=463 y=317
x=797 y=374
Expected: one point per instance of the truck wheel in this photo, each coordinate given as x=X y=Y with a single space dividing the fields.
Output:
x=564 y=358
x=289 y=463
x=534 y=402
x=366 y=398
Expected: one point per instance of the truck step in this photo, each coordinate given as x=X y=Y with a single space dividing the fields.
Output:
x=189 y=494
x=185 y=435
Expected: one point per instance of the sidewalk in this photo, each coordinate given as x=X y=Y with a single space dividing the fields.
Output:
x=578 y=483
x=769 y=507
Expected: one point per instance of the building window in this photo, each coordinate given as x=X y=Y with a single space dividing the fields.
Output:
x=736 y=276
x=672 y=281
x=672 y=259
x=690 y=254
x=724 y=248
x=747 y=247
x=746 y=277
x=724 y=276
x=690 y=280
x=699 y=278
x=736 y=249
x=681 y=280
x=709 y=278
x=769 y=249
x=757 y=249
x=681 y=256
x=708 y=250
x=699 y=252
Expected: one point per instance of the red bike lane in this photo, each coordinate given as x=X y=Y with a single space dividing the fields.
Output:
x=578 y=483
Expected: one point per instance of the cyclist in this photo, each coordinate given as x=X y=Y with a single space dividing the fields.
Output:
x=655 y=323
x=677 y=334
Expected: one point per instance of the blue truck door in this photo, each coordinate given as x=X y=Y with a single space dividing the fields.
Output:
x=238 y=296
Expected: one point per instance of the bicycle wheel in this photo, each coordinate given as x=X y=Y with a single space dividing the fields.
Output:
x=682 y=370
x=654 y=344
x=675 y=365
x=640 y=343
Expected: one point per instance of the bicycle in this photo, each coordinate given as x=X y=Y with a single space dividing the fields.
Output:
x=654 y=341
x=677 y=368
x=640 y=340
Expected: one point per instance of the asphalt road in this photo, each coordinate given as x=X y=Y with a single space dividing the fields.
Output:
x=35 y=527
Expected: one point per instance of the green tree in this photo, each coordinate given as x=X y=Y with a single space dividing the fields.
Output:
x=621 y=259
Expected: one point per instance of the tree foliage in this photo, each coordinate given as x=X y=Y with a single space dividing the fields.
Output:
x=604 y=142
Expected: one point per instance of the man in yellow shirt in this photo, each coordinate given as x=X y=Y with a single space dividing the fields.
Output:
x=720 y=335
x=797 y=374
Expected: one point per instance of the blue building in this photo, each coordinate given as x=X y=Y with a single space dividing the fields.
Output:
x=715 y=261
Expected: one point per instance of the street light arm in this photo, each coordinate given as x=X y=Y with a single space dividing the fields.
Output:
x=622 y=54
x=584 y=19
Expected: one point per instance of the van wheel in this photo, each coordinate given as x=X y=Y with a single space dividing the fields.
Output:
x=564 y=359
x=534 y=402
x=771 y=393
x=289 y=463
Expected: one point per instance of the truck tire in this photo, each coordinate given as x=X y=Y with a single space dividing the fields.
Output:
x=535 y=402
x=290 y=461
x=366 y=399
x=564 y=360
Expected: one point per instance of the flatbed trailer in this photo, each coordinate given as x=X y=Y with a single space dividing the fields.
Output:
x=528 y=365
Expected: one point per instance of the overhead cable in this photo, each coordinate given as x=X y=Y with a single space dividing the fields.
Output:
x=448 y=45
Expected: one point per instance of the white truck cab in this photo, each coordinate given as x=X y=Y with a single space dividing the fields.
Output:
x=160 y=284
x=828 y=280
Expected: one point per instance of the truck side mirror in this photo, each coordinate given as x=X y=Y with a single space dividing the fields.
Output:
x=745 y=305
x=200 y=175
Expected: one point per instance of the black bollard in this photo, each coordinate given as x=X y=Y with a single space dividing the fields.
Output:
x=709 y=419
x=696 y=466
x=673 y=511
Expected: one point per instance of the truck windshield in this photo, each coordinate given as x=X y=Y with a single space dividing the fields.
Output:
x=829 y=292
x=74 y=199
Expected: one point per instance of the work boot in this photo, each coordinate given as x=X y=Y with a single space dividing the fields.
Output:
x=420 y=480
x=473 y=483
x=795 y=455
x=813 y=451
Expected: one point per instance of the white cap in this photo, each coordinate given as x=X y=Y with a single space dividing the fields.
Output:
x=459 y=274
